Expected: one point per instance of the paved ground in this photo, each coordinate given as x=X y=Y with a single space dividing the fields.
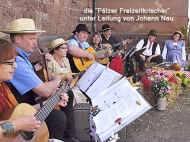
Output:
x=172 y=125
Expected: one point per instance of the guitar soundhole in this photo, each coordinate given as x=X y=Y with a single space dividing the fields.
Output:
x=27 y=135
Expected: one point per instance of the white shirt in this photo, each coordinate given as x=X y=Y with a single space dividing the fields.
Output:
x=148 y=50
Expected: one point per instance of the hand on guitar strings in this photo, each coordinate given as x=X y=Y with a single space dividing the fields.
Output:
x=26 y=123
x=64 y=100
x=68 y=77
x=90 y=56
x=108 y=52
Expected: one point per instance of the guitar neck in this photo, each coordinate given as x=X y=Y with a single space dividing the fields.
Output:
x=43 y=113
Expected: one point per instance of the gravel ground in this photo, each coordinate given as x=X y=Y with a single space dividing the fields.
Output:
x=171 y=125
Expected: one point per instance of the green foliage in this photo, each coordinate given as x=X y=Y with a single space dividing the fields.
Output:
x=184 y=80
x=160 y=87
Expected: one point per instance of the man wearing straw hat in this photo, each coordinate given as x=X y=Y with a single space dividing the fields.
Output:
x=25 y=83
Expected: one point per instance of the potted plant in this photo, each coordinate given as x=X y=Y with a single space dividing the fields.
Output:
x=161 y=89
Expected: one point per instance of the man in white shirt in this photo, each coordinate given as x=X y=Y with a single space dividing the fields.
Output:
x=148 y=50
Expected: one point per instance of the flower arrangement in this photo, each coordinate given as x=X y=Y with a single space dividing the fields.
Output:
x=160 y=85
x=184 y=80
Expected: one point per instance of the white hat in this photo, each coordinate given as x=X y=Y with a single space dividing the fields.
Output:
x=56 y=42
x=22 y=25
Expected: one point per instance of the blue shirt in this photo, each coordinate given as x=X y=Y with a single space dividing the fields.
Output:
x=75 y=42
x=24 y=78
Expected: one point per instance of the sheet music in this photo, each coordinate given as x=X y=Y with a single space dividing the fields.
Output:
x=91 y=74
x=115 y=98
x=101 y=119
x=107 y=78
x=120 y=100
x=112 y=114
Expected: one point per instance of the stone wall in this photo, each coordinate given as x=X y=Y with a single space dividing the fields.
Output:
x=61 y=16
x=54 y=16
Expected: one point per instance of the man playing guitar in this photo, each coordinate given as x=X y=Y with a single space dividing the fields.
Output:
x=78 y=45
x=108 y=38
x=25 y=84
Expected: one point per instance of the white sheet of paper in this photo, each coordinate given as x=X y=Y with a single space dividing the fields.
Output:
x=107 y=78
x=123 y=101
x=101 y=119
x=91 y=74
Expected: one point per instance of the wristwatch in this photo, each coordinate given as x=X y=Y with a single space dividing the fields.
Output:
x=8 y=128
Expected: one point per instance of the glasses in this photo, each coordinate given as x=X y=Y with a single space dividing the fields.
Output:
x=63 y=48
x=11 y=63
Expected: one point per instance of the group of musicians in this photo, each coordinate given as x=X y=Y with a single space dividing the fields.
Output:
x=19 y=82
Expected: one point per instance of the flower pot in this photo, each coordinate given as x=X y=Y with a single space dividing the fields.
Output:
x=162 y=103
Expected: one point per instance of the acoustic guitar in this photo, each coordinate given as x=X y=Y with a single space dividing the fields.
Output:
x=83 y=63
x=41 y=135
x=23 y=109
x=107 y=48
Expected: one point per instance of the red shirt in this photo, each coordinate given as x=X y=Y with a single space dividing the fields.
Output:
x=117 y=64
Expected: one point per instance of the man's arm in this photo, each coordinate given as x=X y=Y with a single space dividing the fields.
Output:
x=118 y=44
x=25 y=79
x=77 y=52
x=157 y=53
x=47 y=88
x=139 y=45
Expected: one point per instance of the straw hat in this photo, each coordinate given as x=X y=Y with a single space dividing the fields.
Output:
x=56 y=42
x=180 y=33
x=3 y=35
x=22 y=25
